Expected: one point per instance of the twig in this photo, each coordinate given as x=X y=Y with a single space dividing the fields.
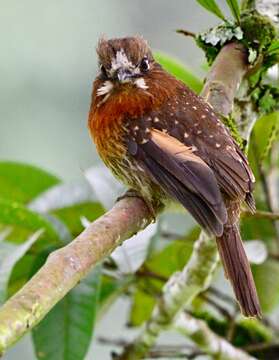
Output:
x=259 y=346
x=186 y=33
x=232 y=326
x=159 y=351
x=145 y=272
x=220 y=295
x=224 y=312
x=265 y=188
x=259 y=214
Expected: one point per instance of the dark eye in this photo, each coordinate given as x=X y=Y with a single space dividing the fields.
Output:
x=103 y=71
x=144 y=65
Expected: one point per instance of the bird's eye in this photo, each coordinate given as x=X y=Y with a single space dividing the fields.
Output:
x=144 y=65
x=103 y=71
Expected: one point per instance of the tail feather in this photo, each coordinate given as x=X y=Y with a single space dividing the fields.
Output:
x=238 y=271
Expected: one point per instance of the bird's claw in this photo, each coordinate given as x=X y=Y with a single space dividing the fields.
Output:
x=133 y=193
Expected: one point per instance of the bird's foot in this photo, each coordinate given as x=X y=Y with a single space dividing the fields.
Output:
x=133 y=193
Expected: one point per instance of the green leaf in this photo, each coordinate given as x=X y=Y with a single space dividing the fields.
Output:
x=10 y=254
x=111 y=289
x=179 y=71
x=174 y=256
x=265 y=133
x=71 y=216
x=235 y=10
x=66 y=332
x=252 y=228
x=267 y=282
x=24 y=223
x=141 y=309
x=274 y=47
x=22 y=182
x=26 y=267
x=211 y=6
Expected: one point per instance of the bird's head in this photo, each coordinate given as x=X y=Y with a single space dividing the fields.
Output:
x=123 y=61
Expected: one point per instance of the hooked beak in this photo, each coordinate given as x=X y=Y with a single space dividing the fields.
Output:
x=124 y=75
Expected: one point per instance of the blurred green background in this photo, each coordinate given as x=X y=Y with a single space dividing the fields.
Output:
x=47 y=66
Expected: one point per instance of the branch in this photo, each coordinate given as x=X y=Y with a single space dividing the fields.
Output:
x=65 y=267
x=207 y=340
x=225 y=77
x=221 y=85
x=166 y=351
x=259 y=214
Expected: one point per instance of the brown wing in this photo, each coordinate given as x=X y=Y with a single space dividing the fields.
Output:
x=193 y=122
x=182 y=175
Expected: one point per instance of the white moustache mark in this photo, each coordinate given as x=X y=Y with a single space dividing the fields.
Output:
x=105 y=88
x=141 y=84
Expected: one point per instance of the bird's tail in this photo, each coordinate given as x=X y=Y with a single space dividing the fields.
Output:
x=237 y=269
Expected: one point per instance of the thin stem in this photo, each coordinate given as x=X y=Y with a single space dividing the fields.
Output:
x=186 y=33
x=260 y=214
x=265 y=188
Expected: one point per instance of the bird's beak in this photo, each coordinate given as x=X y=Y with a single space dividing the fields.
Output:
x=124 y=75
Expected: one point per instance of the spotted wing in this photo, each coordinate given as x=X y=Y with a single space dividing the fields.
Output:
x=183 y=176
x=193 y=122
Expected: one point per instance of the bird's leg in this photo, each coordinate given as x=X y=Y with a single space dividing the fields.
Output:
x=134 y=193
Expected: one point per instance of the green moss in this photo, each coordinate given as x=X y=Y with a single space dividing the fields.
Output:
x=258 y=30
x=266 y=98
x=230 y=123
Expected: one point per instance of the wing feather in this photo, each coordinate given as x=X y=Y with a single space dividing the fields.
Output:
x=185 y=177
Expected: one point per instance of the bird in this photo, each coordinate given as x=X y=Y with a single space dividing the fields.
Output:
x=168 y=145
